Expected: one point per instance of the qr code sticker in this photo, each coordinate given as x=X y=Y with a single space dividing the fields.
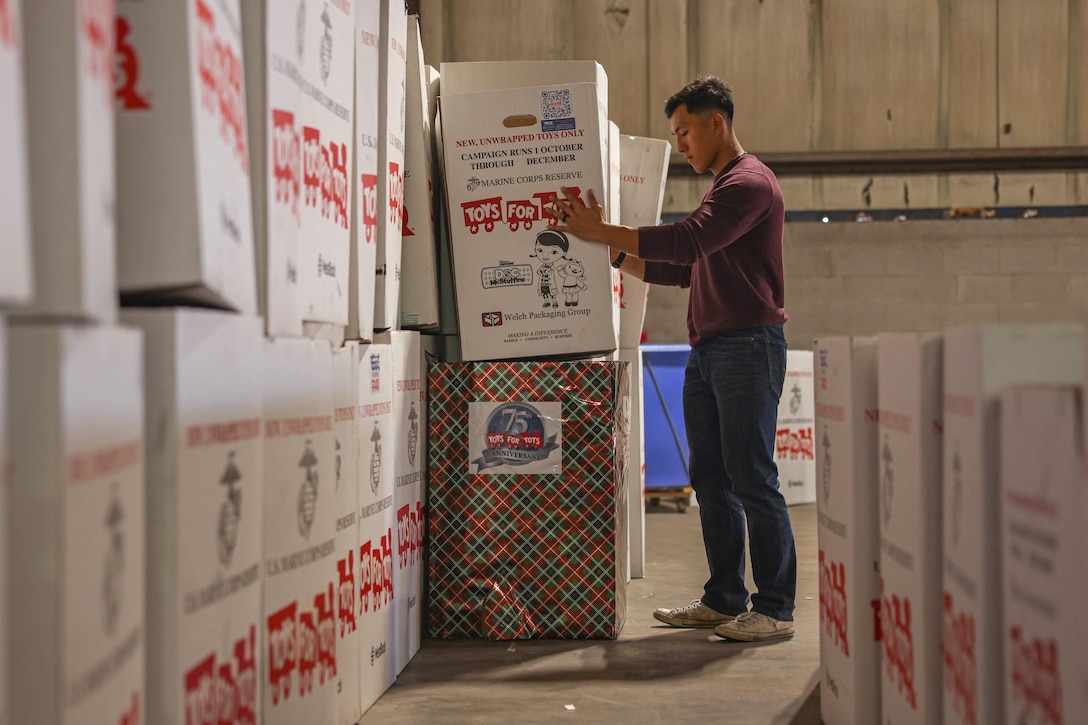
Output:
x=556 y=104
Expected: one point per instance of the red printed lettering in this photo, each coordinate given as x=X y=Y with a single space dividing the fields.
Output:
x=346 y=601
x=307 y=653
x=326 y=634
x=96 y=19
x=417 y=529
x=521 y=213
x=898 y=644
x=370 y=207
x=200 y=693
x=128 y=69
x=485 y=212
x=221 y=83
x=833 y=611
x=396 y=193
x=496 y=440
x=1036 y=679
x=283 y=648
x=286 y=160
x=794 y=444
x=960 y=665
x=132 y=715
x=8 y=36
x=387 y=567
x=404 y=536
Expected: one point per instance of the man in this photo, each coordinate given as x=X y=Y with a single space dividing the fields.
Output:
x=729 y=253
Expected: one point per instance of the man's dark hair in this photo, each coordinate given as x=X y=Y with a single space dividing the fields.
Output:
x=705 y=93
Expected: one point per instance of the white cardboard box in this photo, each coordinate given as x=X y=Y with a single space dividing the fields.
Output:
x=636 y=467
x=419 y=268
x=5 y=715
x=16 y=275
x=1043 y=530
x=979 y=362
x=848 y=529
x=364 y=237
x=184 y=213
x=611 y=204
x=345 y=367
x=274 y=99
x=524 y=290
x=909 y=370
x=644 y=168
x=326 y=34
x=377 y=519
x=391 y=79
x=299 y=533
x=794 y=449
x=407 y=448
x=70 y=128
x=203 y=410
x=77 y=518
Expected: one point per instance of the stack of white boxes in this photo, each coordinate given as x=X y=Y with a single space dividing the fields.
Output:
x=644 y=168
x=185 y=218
x=1043 y=514
x=794 y=449
x=391 y=104
x=848 y=518
x=205 y=491
x=909 y=488
x=377 y=432
x=75 y=506
x=979 y=362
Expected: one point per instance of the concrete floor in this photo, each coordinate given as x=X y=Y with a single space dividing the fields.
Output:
x=651 y=674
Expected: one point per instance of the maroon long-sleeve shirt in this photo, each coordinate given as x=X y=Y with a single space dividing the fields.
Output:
x=728 y=251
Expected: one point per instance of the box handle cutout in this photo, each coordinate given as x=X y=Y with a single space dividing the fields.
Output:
x=526 y=119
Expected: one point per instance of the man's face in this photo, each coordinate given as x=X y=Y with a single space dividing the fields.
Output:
x=696 y=136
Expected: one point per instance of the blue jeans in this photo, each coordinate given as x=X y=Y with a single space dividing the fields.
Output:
x=732 y=386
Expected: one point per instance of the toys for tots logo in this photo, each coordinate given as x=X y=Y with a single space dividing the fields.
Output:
x=221 y=83
x=515 y=436
x=325 y=176
x=516 y=213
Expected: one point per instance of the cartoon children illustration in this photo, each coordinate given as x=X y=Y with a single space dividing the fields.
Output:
x=574 y=280
x=551 y=246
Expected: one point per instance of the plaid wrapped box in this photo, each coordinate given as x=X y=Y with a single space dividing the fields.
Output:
x=526 y=499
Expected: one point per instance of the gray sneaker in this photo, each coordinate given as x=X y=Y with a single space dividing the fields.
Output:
x=695 y=614
x=754 y=627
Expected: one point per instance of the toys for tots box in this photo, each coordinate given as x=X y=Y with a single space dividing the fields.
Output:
x=325 y=34
x=184 y=217
x=16 y=276
x=644 y=168
x=70 y=128
x=522 y=289
x=909 y=488
x=526 y=533
x=979 y=362
x=204 y=508
x=1043 y=542
x=848 y=530
x=377 y=521
x=274 y=103
x=299 y=638
x=364 y=223
x=793 y=449
x=76 y=518
x=408 y=451
x=345 y=369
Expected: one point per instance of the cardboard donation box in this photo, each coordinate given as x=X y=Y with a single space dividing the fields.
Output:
x=1043 y=542
x=345 y=368
x=644 y=167
x=203 y=412
x=979 y=362
x=909 y=489
x=16 y=275
x=408 y=453
x=76 y=517
x=419 y=268
x=612 y=212
x=794 y=447
x=184 y=216
x=526 y=497
x=391 y=99
x=848 y=529
x=70 y=129
x=364 y=223
x=524 y=290
x=274 y=116
x=300 y=583
x=636 y=468
x=377 y=433
x=326 y=34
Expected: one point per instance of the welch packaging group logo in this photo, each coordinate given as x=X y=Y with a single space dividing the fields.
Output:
x=491 y=319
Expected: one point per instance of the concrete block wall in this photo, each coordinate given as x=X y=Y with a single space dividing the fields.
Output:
x=861 y=278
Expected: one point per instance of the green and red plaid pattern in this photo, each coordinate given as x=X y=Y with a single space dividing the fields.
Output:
x=514 y=556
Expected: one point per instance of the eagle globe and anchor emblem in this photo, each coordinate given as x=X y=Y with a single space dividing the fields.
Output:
x=795 y=399
x=413 y=434
x=307 y=493
x=515 y=436
x=375 y=459
x=113 y=575
x=825 y=472
x=230 y=512
x=887 y=480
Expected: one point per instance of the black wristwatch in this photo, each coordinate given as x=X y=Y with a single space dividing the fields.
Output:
x=618 y=261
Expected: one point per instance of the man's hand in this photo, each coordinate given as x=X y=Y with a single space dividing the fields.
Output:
x=584 y=222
